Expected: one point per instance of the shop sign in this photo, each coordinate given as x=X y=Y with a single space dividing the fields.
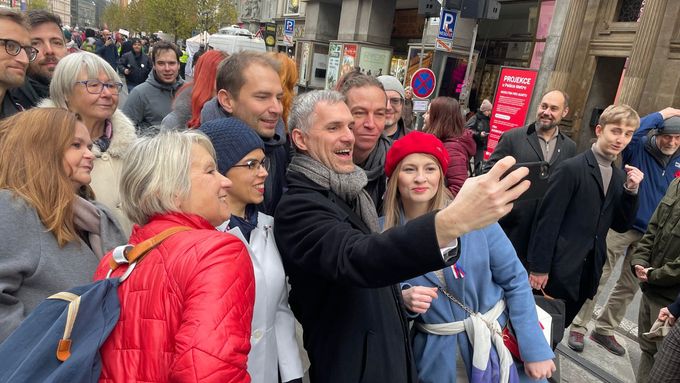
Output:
x=333 y=69
x=511 y=103
x=349 y=56
x=270 y=34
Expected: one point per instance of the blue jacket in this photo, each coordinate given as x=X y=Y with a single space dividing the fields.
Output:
x=641 y=154
x=108 y=53
x=492 y=272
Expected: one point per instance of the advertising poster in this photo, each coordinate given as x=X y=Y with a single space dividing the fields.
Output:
x=374 y=61
x=349 y=56
x=511 y=104
x=333 y=69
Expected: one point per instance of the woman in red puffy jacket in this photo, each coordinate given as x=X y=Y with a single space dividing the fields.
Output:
x=446 y=122
x=187 y=307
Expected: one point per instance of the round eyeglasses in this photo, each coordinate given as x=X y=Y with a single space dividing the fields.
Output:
x=96 y=86
x=13 y=48
x=255 y=165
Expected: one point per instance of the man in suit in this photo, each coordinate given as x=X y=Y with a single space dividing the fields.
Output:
x=342 y=271
x=539 y=141
x=586 y=196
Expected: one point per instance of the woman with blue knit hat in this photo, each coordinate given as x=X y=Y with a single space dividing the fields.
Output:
x=241 y=158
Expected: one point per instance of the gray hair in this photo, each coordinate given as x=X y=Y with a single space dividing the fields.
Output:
x=486 y=106
x=304 y=104
x=70 y=67
x=156 y=173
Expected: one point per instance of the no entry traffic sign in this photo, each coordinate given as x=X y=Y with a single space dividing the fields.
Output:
x=423 y=83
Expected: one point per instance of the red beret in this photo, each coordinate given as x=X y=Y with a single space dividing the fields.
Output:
x=416 y=142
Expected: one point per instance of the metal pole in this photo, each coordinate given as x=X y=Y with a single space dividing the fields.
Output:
x=422 y=45
x=468 y=82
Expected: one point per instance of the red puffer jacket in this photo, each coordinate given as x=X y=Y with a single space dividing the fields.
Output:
x=186 y=309
x=460 y=150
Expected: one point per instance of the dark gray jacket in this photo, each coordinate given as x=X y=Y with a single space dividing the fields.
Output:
x=149 y=103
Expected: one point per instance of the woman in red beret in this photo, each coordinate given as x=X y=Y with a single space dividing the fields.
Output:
x=488 y=281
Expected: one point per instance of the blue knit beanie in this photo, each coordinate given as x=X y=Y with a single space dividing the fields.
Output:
x=232 y=139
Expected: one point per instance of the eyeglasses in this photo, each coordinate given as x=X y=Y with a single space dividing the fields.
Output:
x=396 y=101
x=97 y=87
x=13 y=48
x=255 y=165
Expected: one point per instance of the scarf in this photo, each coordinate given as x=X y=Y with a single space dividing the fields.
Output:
x=88 y=221
x=349 y=186
x=375 y=163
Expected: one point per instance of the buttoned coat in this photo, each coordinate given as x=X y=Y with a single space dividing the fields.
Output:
x=569 y=238
x=523 y=145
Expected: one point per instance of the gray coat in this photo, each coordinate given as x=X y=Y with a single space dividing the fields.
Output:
x=149 y=103
x=522 y=143
x=33 y=266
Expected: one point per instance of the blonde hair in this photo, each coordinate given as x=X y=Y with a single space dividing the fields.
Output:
x=32 y=148
x=621 y=113
x=393 y=206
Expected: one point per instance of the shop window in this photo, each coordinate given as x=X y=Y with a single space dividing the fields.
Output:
x=630 y=10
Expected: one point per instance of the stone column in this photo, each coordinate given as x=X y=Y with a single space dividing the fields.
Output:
x=570 y=36
x=367 y=21
x=322 y=20
x=641 y=55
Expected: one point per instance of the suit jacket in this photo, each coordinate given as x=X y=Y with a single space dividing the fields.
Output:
x=569 y=238
x=343 y=280
x=522 y=143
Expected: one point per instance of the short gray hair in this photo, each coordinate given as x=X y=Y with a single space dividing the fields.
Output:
x=156 y=173
x=70 y=67
x=303 y=107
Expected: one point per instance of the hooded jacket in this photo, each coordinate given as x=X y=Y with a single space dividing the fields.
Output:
x=275 y=148
x=109 y=164
x=149 y=103
x=181 y=110
x=139 y=66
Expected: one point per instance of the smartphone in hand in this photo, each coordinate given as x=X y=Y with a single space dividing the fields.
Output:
x=539 y=172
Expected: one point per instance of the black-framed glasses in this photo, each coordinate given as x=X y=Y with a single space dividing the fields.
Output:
x=97 y=87
x=13 y=48
x=395 y=101
x=255 y=165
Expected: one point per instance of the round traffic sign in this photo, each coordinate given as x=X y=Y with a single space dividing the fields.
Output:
x=423 y=83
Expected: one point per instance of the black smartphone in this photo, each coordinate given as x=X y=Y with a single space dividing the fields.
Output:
x=539 y=172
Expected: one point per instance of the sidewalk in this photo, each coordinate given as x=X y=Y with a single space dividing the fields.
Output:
x=595 y=363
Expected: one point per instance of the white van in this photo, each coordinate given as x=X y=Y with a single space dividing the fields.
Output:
x=234 y=43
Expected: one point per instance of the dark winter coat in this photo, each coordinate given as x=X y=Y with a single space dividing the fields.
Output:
x=139 y=66
x=569 y=238
x=343 y=284
x=30 y=94
x=522 y=143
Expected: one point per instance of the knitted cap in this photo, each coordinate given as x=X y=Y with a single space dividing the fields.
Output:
x=391 y=83
x=416 y=142
x=671 y=126
x=232 y=139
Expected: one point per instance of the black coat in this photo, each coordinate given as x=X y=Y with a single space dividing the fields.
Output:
x=343 y=284
x=569 y=238
x=139 y=66
x=31 y=93
x=522 y=143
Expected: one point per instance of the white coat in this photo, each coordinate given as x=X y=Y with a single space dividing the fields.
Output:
x=272 y=339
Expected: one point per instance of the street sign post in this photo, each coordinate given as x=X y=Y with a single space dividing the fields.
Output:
x=288 y=31
x=447 y=23
x=423 y=83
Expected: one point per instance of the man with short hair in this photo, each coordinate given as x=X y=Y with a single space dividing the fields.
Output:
x=48 y=39
x=249 y=88
x=151 y=101
x=538 y=141
x=367 y=102
x=106 y=48
x=396 y=96
x=586 y=197
x=654 y=150
x=16 y=53
x=343 y=274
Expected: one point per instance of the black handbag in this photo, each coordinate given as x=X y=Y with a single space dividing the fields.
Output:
x=555 y=307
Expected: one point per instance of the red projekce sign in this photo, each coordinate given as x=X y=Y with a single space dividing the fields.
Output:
x=511 y=103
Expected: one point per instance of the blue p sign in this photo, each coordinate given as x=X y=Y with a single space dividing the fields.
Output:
x=289 y=26
x=447 y=23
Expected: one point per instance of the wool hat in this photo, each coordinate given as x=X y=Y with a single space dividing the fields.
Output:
x=232 y=140
x=671 y=126
x=416 y=142
x=392 y=83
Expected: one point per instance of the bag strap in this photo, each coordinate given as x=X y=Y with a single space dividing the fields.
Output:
x=134 y=254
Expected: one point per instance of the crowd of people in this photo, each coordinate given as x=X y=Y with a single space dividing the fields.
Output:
x=324 y=236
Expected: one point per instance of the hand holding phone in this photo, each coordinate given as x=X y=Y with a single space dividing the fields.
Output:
x=539 y=172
